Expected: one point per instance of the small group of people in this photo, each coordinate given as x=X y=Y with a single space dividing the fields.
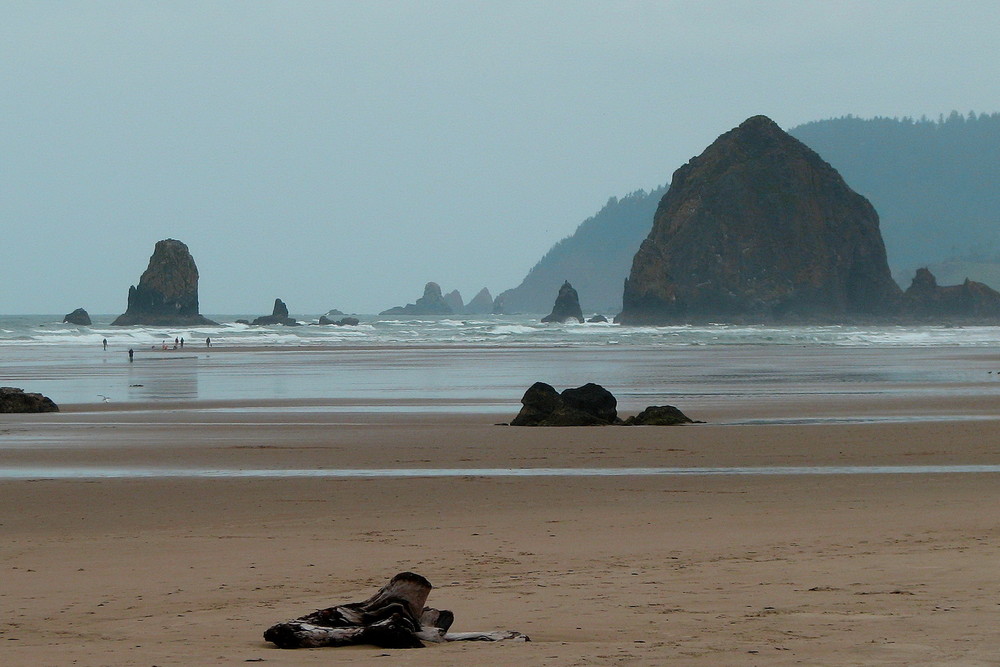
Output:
x=178 y=344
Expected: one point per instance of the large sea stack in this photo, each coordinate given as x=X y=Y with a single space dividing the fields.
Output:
x=167 y=293
x=759 y=228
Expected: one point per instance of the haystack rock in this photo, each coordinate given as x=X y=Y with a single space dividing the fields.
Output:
x=566 y=307
x=79 y=317
x=927 y=300
x=454 y=301
x=167 y=293
x=279 y=315
x=481 y=304
x=431 y=303
x=759 y=228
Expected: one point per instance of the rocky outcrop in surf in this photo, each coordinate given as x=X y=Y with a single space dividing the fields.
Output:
x=566 y=307
x=481 y=304
x=79 y=317
x=970 y=301
x=455 y=302
x=279 y=315
x=167 y=292
x=431 y=303
x=758 y=228
x=342 y=322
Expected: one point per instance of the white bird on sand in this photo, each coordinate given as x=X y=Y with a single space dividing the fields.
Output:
x=107 y=399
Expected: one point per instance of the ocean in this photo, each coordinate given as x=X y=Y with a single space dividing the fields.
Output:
x=485 y=363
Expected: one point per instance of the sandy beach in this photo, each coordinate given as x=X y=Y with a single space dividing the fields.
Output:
x=833 y=569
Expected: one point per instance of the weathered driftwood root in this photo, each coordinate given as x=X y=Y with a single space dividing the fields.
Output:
x=395 y=617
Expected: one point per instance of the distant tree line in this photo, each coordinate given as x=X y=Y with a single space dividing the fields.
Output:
x=934 y=183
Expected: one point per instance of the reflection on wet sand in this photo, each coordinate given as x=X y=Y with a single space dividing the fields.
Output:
x=167 y=377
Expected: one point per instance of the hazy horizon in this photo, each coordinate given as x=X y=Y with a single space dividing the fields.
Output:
x=341 y=155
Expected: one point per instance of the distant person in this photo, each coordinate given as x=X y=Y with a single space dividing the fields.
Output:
x=177 y=341
x=105 y=344
x=182 y=342
x=208 y=342
x=131 y=353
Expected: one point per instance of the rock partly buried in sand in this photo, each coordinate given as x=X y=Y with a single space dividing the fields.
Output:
x=79 y=317
x=167 y=293
x=589 y=405
x=13 y=399
x=566 y=307
x=279 y=315
x=659 y=415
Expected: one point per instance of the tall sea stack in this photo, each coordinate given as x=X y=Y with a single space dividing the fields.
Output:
x=167 y=293
x=759 y=228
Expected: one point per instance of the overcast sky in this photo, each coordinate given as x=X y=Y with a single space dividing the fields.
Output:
x=342 y=154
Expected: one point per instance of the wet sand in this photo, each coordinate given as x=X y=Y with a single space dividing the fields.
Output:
x=778 y=570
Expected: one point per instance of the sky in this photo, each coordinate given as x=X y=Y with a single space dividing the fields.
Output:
x=342 y=154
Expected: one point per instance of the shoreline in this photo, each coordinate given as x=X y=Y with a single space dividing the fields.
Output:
x=703 y=570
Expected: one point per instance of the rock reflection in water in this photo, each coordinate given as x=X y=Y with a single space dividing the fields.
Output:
x=164 y=378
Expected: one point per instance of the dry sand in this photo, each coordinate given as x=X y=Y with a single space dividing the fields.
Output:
x=776 y=570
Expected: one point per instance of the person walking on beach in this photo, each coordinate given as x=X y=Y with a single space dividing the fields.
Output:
x=208 y=342
x=105 y=344
x=131 y=353
x=182 y=342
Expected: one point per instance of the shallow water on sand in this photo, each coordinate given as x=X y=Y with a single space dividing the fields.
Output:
x=136 y=473
x=638 y=376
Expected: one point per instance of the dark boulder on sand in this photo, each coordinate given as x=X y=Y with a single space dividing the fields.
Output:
x=167 y=293
x=79 y=317
x=589 y=405
x=659 y=415
x=13 y=399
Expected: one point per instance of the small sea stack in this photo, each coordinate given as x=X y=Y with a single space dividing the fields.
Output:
x=566 y=307
x=279 y=315
x=79 y=317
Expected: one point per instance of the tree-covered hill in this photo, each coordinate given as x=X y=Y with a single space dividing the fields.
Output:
x=595 y=259
x=935 y=184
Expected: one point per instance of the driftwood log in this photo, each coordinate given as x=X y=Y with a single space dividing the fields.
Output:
x=395 y=617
